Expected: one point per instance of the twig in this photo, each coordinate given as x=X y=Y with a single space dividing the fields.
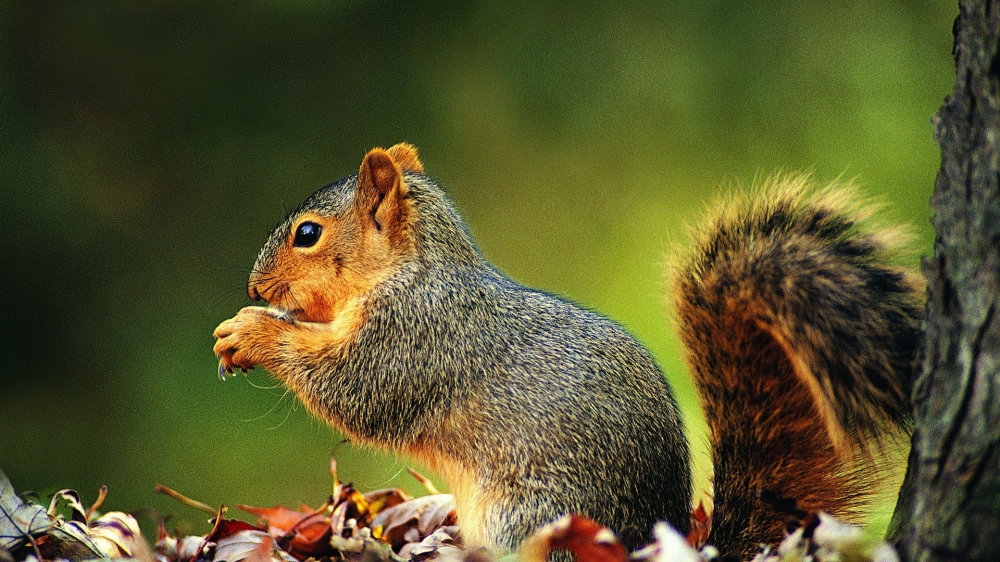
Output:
x=184 y=499
x=215 y=527
x=102 y=494
x=423 y=480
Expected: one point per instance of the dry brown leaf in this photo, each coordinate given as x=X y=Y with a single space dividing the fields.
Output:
x=385 y=498
x=412 y=521
x=443 y=540
x=249 y=546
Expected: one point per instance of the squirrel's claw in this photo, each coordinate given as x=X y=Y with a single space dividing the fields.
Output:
x=228 y=370
x=242 y=340
x=224 y=372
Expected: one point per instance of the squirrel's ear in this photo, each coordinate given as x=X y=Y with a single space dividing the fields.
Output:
x=405 y=155
x=381 y=190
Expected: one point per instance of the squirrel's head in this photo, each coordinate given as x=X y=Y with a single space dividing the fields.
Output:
x=341 y=242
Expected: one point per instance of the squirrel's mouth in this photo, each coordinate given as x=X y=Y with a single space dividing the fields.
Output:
x=277 y=299
x=303 y=307
x=297 y=314
x=294 y=314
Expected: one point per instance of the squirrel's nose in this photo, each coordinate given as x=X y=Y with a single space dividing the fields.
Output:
x=254 y=294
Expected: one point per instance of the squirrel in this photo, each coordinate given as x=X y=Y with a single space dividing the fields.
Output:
x=387 y=322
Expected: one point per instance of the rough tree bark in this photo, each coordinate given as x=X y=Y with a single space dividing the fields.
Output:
x=949 y=505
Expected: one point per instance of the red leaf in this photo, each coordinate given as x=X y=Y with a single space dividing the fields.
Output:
x=310 y=538
x=701 y=526
x=279 y=519
x=586 y=539
x=227 y=527
x=314 y=543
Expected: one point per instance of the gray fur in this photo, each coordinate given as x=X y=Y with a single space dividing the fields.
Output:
x=570 y=414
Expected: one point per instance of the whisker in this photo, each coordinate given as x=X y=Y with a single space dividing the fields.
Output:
x=225 y=292
x=288 y=412
x=264 y=277
x=275 y=386
x=267 y=290
x=280 y=402
x=279 y=292
x=292 y=298
x=231 y=268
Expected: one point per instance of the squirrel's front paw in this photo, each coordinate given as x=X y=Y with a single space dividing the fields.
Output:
x=247 y=339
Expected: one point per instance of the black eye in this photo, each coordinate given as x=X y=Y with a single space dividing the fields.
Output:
x=307 y=234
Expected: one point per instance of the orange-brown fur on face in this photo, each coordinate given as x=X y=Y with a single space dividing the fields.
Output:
x=354 y=252
x=312 y=284
x=323 y=286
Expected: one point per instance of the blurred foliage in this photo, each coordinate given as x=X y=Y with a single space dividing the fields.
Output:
x=146 y=148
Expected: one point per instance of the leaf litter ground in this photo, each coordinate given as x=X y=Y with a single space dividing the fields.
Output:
x=379 y=526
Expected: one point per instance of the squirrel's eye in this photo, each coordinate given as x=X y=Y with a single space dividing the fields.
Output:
x=307 y=234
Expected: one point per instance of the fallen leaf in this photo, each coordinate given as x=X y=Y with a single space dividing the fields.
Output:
x=361 y=547
x=412 y=521
x=71 y=499
x=426 y=482
x=249 y=546
x=69 y=540
x=116 y=534
x=304 y=533
x=701 y=526
x=279 y=519
x=668 y=546
x=586 y=539
x=440 y=540
x=170 y=549
x=385 y=498
x=227 y=527
x=17 y=518
x=309 y=540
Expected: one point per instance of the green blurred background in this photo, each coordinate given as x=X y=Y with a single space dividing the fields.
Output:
x=146 y=149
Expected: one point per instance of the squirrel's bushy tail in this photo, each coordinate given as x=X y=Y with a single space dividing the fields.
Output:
x=802 y=339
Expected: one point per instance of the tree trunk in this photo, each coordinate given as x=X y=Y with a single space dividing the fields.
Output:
x=949 y=505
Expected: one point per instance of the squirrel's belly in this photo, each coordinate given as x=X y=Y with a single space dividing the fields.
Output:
x=470 y=503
